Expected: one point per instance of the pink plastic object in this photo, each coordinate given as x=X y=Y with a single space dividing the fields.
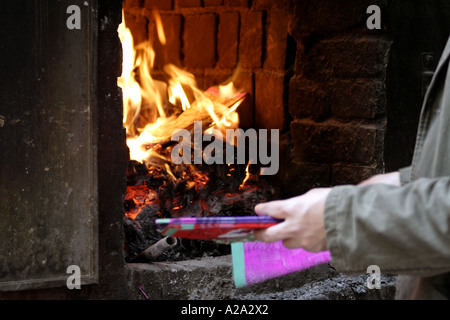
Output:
x=255 y=262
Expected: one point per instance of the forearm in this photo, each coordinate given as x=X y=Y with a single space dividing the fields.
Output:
x=400 y=229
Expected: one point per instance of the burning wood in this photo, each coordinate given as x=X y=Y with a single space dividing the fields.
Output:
x=189 y=191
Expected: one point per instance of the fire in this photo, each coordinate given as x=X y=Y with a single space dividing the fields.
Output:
x=154 y=109
x=247 y=176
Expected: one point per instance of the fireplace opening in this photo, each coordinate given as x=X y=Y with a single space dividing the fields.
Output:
x=216 y=172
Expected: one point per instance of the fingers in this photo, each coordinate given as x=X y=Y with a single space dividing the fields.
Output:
x=302 y=225
x=271 y=234
x=275 y=234
x=274 y=209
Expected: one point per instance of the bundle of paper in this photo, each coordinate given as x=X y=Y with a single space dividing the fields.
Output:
x=219 y=229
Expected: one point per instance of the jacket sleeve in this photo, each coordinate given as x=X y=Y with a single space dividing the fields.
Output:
x=405 y=175
x=401 y=229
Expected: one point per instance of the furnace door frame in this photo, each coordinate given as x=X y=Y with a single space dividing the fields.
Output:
x=48 y=142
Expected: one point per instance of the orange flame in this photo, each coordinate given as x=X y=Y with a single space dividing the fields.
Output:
x=146 y=101
x=247 y=176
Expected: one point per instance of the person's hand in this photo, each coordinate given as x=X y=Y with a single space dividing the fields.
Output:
x=392 y=178
x=303 y=225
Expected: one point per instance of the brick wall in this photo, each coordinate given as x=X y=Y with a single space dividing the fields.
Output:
x=337 y=96
x=212 y=38
x=312 y=69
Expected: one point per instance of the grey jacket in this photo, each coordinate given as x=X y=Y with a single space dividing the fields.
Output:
x=404 y=230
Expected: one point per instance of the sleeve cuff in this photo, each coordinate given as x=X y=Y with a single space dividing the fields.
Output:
x=333 y=226
x=405 y=175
